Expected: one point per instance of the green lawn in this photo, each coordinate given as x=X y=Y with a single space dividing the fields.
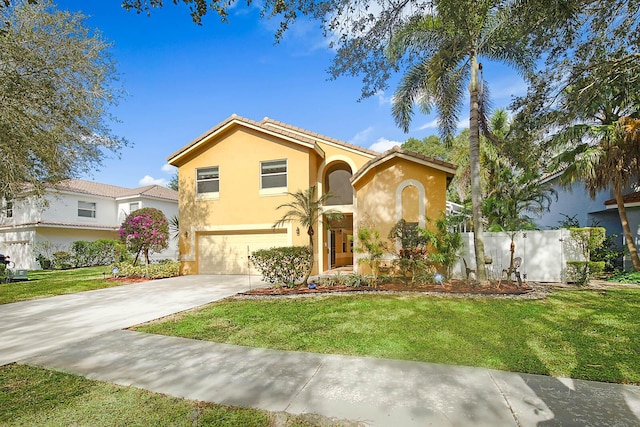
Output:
x=46 y=283
x=593 y=335
x=32 y=396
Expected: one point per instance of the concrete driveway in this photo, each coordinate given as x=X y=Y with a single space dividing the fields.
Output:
x=35 y=327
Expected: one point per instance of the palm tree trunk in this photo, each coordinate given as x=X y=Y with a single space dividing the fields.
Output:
x=474 y=162
x=628 y=236
x=305 y=281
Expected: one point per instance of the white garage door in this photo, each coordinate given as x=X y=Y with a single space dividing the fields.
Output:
x=227 y=253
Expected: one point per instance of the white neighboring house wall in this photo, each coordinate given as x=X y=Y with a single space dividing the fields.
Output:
x=66 y=215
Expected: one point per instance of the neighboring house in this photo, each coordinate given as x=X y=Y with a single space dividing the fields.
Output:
x=233 y=178
x=602 y=211
x=574 y=202
x=76 y=210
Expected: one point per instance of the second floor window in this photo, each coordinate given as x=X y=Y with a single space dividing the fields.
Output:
x=273 y=174
x=208 y=180
x=87 y=209
x=8 y=209
x=134 y=206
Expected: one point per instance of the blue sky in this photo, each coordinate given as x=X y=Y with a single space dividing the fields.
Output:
x=182 y=79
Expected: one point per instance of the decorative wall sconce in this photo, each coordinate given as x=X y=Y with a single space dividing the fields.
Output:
x=297 y=231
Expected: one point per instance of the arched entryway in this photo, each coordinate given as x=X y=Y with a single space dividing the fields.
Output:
x=338 y=237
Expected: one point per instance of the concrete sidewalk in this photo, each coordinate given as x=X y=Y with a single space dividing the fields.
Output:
x=375 y=392
x=81 y=333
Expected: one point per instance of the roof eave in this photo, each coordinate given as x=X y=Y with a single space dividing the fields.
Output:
x=189 y=148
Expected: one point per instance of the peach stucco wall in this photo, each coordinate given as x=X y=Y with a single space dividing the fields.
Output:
x=378 y=205
x=238 y=153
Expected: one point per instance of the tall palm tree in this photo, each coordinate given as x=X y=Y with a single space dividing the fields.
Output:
x=307 y=209
x=448 y=43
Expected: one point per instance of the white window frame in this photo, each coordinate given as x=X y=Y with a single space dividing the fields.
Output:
x=208 y=194
x=274 y=190
x=131 y=209
x=90 y=207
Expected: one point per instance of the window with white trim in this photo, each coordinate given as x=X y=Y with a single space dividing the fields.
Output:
x=208 y=180
x=134 y=206
x=8 y=209
x=273 y=174
x=86 y=209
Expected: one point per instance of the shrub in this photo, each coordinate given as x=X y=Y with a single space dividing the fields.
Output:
x=353 y=280
x=161 y=270
x=586 y=240
x=610 y=253
x=44 y=253
x=579 y=272
x=3 y=272
x=631 y=277
x=286 y=265
x=372 y=247
x=45 y=263
x=99 y=252
x=62 y=260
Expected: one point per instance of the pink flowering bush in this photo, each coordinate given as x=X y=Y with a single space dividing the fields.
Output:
x=145 y=231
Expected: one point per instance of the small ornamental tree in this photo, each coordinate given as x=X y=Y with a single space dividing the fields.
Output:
x=145 y=231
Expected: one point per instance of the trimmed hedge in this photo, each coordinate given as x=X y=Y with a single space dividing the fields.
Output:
x=99 y=252
x=62 y=260
x=285 y=265
x=161 y=270
x=579 y=272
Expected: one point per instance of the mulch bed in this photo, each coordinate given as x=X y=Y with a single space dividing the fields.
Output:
x=126 y=279
x=457 y=287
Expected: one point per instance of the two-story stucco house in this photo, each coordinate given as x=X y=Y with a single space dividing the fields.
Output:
x=76 y=210
x=233 y=177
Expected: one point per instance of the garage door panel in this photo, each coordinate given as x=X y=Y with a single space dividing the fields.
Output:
x=227 y=253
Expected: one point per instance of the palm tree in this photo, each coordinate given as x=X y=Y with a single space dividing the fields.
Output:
x=307 y=210
x=449 y=42
x=514 y=195
x=608 y=156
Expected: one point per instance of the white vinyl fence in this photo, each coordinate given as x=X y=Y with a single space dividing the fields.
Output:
x=544 y=254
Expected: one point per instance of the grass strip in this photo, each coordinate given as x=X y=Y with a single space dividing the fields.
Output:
x=585 y=334
x=46 y=283
x=31 y=396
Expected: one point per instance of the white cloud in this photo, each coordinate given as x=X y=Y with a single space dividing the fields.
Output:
x=361 y=137
x=168 y=168
x=464 y=123
x=433 y=124
x=383 y=144
x=149 y=180
x=383 y=100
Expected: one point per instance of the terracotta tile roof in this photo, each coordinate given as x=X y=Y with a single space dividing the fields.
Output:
x=245 y=121
x=59 y=224
x=270 y=122
x=629 y=198
x=275 y=127
x=397 y=151
x=105 y=190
